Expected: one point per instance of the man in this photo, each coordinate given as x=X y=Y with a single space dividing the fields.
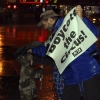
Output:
x=81 y=76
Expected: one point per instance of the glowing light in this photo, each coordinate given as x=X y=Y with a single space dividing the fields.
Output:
x=41 y=1
x=60 y=6
x=1 y=49
x=1 y=68
x=9 y=6
x=43 y=35
x=14 y=6
x=55 y=1
x=94 y=19
x=0 y=43
x=46 y=1
x=37 y=5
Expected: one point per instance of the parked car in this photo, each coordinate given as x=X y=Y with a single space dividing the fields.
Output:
x=95 y=18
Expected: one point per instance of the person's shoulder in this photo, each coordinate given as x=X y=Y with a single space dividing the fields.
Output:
x=86 y=20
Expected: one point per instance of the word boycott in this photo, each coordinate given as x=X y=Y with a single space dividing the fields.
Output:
x=61 y=33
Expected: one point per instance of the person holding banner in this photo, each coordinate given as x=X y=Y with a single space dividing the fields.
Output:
x=72 y=47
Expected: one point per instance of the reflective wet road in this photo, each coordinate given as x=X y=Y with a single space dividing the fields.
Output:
x=11 y=38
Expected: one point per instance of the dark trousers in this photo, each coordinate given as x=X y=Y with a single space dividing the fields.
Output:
x=91 y=90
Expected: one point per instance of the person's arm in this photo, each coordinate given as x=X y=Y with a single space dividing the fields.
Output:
x=79 y=11
x=89 y=24
x=40 y=50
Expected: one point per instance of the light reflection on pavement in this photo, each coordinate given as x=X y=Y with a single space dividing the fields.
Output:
x=11 y=38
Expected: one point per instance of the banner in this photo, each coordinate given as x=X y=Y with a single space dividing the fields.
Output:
x=71 y=40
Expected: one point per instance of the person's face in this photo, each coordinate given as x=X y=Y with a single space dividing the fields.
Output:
x=48 y=24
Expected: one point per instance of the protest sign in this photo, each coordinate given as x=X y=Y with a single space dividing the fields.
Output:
x=71 y=40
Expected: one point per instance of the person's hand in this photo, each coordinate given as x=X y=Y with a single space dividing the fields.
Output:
x=79 y=11
x=29 y=51
x=41 y=66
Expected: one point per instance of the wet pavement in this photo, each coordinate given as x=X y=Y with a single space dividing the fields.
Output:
x=11 y=38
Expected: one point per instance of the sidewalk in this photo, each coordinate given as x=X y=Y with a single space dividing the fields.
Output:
x=12 y=38
x=9 y=86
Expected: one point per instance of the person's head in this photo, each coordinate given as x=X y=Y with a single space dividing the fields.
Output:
x=48 y=19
